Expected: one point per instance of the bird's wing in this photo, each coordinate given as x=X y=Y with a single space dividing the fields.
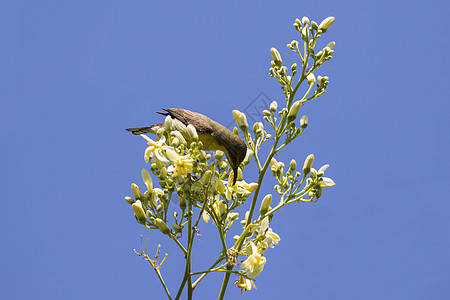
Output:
x=200 y=122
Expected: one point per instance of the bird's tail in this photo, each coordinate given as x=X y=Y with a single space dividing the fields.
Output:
x=143 y=130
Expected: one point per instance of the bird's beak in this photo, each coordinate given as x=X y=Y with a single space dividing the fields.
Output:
x=235 y=175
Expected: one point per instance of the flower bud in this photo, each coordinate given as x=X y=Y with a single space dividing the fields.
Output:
x=311 y=78
x=147 y=179
x=293 y=165
x=266 y=112
x=319 y=79
x=177 y=228
x=192 y=132
x=319 y=54
x=222 y=208
x=244 y=221
x=326 y=24
x=304 y=121
x=182 y=203
x=129 y=200
x=179 y=136
x=168 y=124
x=163 y=173
x=255 y=127
x=273 y=106
x=160 y=131
x=248 y=156
x=233 y=216
x=294 y=111
x=298 y=22
x=240 y=119
x=308 y=163
x=236 y=114
x=206 y=178
x=314 y=25
x=243 y=125
x=235 y=130
x=331 y=45
x=139 y=211
x=305 y=21
x=273 y=164
x=294 y=67
x=265 y=204
x=304 y=32
x=175 y=142
x=136 y=191
x=162 y=226
x=276 y=57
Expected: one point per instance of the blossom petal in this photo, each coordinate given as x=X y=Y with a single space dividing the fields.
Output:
x=326 y=182
x=323 y=168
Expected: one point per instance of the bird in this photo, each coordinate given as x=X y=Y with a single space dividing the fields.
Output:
x=213 y=135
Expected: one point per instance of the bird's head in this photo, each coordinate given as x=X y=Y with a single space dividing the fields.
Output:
x=235 y=155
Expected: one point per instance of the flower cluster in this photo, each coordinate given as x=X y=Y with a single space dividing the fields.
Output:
x=203 y=183
x=182 y=168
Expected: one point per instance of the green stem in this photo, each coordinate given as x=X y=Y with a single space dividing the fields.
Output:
x=206 y=272
x=163 y=283
x=226 y=278
x=187 y=276
x=180 y=245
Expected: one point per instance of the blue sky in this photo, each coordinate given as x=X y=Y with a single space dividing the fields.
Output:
x=75 y=74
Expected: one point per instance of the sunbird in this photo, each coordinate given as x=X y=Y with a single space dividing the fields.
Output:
x=213 y=135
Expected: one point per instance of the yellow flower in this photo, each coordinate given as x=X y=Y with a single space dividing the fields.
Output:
x=182 y=164
x=154 y=149
x=254 y=264
x=205 y=216
x=271 y=238
x=267 y=237
x=241 y=188
x=244 y=284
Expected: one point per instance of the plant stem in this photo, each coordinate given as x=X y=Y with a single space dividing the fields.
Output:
x=187 y=271
x=226 y=278
x=206 y=273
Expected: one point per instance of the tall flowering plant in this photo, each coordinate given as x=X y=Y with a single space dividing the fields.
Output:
x=204 y=189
